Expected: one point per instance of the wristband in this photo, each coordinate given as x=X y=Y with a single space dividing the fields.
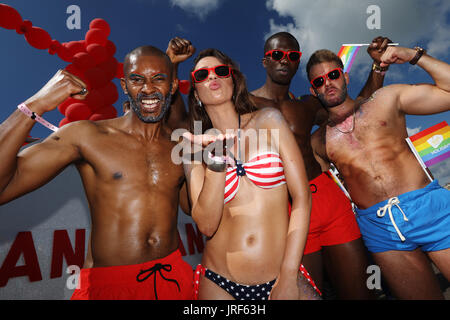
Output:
x=23 y=107
x=419 y=53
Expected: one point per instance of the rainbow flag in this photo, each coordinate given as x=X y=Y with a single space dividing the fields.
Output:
x=347 y=53
x=432 y=145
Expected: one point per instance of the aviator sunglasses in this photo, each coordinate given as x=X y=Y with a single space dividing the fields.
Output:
x=320 y=80
x=222 y=71
x=278 y=55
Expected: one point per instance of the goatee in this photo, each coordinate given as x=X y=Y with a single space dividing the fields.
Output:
x=336 y=103
x=164 y=108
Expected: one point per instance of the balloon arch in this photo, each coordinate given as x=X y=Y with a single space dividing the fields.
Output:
x=91 y=59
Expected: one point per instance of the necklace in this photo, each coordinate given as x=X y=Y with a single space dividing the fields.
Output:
x=353 y=124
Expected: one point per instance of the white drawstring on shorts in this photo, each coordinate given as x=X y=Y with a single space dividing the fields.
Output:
x=382 y=211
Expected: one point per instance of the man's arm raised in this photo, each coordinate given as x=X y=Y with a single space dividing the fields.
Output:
x=178 y=50
x=421 y=98
x=31 y=168
x=376 y=77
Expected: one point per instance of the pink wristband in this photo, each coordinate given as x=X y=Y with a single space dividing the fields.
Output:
x=23 y=107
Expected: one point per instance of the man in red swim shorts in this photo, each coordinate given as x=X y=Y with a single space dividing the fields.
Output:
x=334 y=240
x=168 y=278
x=131 y=183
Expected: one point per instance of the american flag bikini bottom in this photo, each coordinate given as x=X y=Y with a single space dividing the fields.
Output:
x=242 y=291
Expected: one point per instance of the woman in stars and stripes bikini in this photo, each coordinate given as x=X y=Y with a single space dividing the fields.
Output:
x=239 y=197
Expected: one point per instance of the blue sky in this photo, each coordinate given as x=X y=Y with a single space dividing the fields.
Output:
x=239 y=28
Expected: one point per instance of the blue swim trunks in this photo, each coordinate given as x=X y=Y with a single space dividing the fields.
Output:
x=419 y=218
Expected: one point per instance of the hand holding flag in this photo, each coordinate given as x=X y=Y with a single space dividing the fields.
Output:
x=348 y=52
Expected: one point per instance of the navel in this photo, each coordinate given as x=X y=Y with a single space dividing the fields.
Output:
x=251 y=240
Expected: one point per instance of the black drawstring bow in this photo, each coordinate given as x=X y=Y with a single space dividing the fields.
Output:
x=157 y=268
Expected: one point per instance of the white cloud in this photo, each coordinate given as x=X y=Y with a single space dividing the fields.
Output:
x=441 y=171
x=201 y=8
x=328 y=24
x=412 y=131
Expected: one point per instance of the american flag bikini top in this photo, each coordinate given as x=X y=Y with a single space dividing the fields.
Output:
x=265 y=170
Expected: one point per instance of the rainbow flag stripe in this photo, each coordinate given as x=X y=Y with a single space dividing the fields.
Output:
x=347 y=55
x=433 y=144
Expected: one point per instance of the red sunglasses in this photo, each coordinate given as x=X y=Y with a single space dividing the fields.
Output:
x=278 y=55
x=222 y=71
x=332 y=75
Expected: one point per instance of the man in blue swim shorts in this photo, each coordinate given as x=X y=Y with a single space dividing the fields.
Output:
x=403 y=218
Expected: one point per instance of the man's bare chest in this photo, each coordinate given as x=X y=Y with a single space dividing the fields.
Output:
x=133 y=163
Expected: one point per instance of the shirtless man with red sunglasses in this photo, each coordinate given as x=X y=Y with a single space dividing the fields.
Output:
x=334 y=240
x=404 y=219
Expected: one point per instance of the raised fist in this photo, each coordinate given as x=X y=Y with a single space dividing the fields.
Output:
x=61 y=86
x=179 y=50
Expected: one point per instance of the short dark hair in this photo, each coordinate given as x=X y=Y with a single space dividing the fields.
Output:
x=241 y=96
x=146 y=51
x=282 y=34
x=321 y=56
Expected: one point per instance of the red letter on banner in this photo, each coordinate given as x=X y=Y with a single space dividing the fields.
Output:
x=63 y=248
x=23 y=244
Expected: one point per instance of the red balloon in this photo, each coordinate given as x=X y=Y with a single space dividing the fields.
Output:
x=95 y=100
x=101 y=24
x=109 y=93
x=74 y=47
x=96 y=77
x=78 y=111
x=107 y=112
x=38 y=38
x=110 y=48
x=24 y=27
x=119 y=72
x=54 y=47
x=64 y=54
x=9 y=17
x=63 y=106
x=97 y=52
x=83 y=61
x=110 y=67
x=97 y=117
x=96 y=36
x=184 y=86
x=63 y=122
x=80 y=74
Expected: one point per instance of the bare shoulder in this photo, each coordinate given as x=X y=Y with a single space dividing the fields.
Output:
x=387 y=92
x=269 y=118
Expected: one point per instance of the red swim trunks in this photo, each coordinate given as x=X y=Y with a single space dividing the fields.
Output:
x=332 y=219
x=168 y=278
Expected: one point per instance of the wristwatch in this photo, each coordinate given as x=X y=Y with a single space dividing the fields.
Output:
x=419 y=53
